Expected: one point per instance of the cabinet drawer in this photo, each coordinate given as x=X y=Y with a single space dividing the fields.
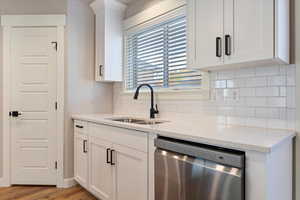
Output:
x=130 y=138
x=81 y=127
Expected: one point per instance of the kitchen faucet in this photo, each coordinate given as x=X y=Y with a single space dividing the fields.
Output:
x=153 y=110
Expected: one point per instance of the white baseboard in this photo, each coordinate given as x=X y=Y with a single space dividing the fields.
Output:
x=3 y=183
x=69 y=182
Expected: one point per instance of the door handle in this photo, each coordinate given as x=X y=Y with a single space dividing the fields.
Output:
x=107 y=156
x=78 y=126
x=227 y=45
x=15 y=113
x=111 y=157
x=84 y=146
x=219 y=47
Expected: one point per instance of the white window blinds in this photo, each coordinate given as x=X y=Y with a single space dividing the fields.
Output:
x=157 y=55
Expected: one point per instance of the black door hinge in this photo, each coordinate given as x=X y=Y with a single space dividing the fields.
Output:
x=56 y=105
x=55 y=164
x=55 y=45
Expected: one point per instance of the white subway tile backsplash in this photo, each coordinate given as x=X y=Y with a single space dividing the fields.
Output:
x=247 y=92
x=267 y=92
x=231 y=84
x=276 y=101
x=227 y=74
x=245 y=72
x=277 y=123
x=291 y=97
x=256 y=101
x=267 y=113
x=263 y=96
x=283 y=92
x=245 y=112
x=267 y=71
x=256 y=82
x=277 y=81
x=220 y=84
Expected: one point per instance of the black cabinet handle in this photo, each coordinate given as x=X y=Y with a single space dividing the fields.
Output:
x=227 y=45
x=219 y=47
x=107 y=156
x=111 y=157
x=78 y=126
x=100 y=70
x=84 y=146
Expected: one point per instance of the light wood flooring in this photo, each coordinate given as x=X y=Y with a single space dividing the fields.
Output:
x=44 y=193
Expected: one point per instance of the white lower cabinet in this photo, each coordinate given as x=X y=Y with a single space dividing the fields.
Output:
x=100 y=171
x=81 y=159
x=130 y=173
x=112 y=163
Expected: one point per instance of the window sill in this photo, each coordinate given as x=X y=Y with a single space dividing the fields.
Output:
x=172 y=94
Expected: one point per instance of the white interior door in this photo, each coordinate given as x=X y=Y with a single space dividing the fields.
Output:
x=33 y=94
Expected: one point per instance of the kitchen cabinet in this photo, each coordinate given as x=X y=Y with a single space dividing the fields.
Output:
x=108 y=39
x=115 y=159
x=130 y=173
x=237 y=33
x=101 y=171
x=81 y=156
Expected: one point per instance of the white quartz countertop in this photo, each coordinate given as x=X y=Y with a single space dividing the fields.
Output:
x=205 y=130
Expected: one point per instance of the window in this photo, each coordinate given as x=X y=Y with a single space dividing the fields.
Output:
x=157 y=55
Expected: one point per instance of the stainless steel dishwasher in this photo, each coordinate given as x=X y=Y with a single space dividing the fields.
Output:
x=192 y=171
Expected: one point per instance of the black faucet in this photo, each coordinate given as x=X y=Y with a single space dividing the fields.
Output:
x=153 y=110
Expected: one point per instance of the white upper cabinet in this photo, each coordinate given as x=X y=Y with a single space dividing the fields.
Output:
x=109 y=39
x=237 y=32
x=205 y=34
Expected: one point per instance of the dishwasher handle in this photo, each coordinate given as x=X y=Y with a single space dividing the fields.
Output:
x=198 y=151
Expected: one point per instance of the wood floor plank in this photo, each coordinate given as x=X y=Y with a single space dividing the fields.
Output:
x=44 y=193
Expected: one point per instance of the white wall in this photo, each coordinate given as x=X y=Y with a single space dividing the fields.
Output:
x=83 y=94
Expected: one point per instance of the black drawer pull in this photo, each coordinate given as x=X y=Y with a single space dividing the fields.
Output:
x=219 y=47
x=78 y=126
x=107 y=156
x=111 y=157
x=84 y=146
x=227 y=45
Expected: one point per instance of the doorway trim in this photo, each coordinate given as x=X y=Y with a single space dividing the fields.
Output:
x=8 y=22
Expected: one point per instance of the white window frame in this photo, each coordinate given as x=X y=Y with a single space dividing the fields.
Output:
x=160 y=17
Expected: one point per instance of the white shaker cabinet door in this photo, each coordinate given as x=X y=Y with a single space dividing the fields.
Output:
x=248 y=30
x=130 y=173
x=205 y=33
x=100 y=169
x=81 y=159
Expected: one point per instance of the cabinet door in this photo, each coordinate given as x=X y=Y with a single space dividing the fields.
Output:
x=100 y=171
x=130 y=173
x=81 y=159
x=249 y=29
x=99 y=8
x=205 y=33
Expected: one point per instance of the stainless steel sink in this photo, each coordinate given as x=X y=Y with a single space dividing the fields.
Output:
x=137 y=120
